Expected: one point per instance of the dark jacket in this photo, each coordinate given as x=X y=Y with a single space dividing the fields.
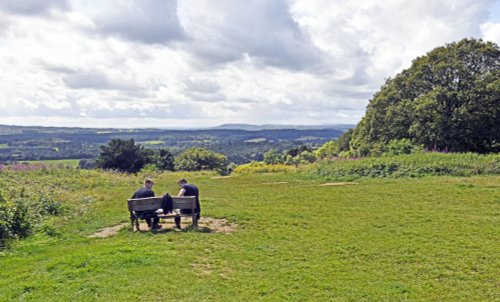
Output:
x=143 y=193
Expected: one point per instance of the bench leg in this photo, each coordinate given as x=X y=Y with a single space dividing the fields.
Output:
x=177 y=220
x=195 y=221
x=137 y=224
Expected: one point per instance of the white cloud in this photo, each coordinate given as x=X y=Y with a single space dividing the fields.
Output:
x=491 y=32
x=126 y=63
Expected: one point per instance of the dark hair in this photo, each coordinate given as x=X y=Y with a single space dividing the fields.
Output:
x=148 y=181
x=182 y=181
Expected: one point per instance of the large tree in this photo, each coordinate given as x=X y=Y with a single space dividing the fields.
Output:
x=122 y=155
x=448 y=99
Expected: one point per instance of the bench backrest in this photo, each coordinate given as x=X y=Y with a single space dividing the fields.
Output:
x=155 y=203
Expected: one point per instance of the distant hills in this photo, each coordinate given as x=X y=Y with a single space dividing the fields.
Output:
x=249 y=127
x=240 y=142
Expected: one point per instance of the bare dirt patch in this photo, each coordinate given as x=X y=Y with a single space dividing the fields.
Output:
x=338 y=184
x=275 y=183
x=109 y=231
x=205 y=225
x=217 y=177
x=217 y=225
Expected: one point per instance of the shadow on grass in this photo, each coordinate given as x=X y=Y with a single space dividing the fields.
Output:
x=186 y=229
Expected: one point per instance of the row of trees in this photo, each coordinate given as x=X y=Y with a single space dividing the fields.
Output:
x=127 y=156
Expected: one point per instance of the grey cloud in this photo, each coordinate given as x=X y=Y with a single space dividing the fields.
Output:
x=204 y=91
x=32 y=7
x=202 y=86
x=56 y=68
x=147 y=21
x=86 y=80
x=143 y=109
x=247 y=101
x=206 y=98
x=263 y=30
x=95 y=80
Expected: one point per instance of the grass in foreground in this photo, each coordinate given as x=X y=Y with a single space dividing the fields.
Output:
x=427 y=239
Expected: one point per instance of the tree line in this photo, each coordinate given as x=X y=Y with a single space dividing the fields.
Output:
x=128 y=156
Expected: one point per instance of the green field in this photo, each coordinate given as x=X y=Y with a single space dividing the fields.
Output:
x=56 y=162
x=406 y=239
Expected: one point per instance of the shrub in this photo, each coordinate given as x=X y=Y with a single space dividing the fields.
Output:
x=87 y=164
x=48 y=206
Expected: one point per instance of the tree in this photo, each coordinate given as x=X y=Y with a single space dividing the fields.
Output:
x=447 y=100
x=163 y=159
x=328 y=150
x=122 y=155
x=296 y=151
x=333 y=148
x=273 y=157
x=307 y=157
x=197 y=159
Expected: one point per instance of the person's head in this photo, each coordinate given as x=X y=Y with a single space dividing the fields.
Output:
x=182 y=182
x=148 y=183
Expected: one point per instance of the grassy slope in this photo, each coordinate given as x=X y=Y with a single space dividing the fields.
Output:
x=428 y=239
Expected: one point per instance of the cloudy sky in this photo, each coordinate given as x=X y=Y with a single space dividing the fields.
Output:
x=196 y=63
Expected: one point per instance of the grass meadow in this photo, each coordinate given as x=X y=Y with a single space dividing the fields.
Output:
x=296 y=239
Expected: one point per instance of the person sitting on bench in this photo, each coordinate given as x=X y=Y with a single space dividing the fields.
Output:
x=144 y=192
x=188 y=189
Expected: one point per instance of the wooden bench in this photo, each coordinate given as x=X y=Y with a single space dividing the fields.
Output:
x=155 y=203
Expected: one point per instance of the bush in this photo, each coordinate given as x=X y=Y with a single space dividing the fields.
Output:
x=15 y=220
x=87 y=164
x=20 y=215
x=48 y=206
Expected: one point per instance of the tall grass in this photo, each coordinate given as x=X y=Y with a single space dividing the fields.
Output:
x=412 y=165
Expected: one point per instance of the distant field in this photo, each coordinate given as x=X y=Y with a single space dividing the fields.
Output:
x=156 y=142
x=297 y=239
x=55 y=162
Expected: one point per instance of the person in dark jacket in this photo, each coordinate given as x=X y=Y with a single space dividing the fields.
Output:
x=188 y=189
x=144 y=192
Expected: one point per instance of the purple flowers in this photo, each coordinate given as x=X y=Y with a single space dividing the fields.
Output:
x=21 y=167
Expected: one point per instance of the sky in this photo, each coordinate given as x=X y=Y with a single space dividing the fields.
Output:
x=203 y=63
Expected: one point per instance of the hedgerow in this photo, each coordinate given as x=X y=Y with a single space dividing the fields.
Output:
x=411 y=165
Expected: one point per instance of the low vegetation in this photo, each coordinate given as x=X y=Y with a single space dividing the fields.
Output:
x=410 y=165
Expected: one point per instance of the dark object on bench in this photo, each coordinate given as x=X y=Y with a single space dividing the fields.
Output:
x=141 y=208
